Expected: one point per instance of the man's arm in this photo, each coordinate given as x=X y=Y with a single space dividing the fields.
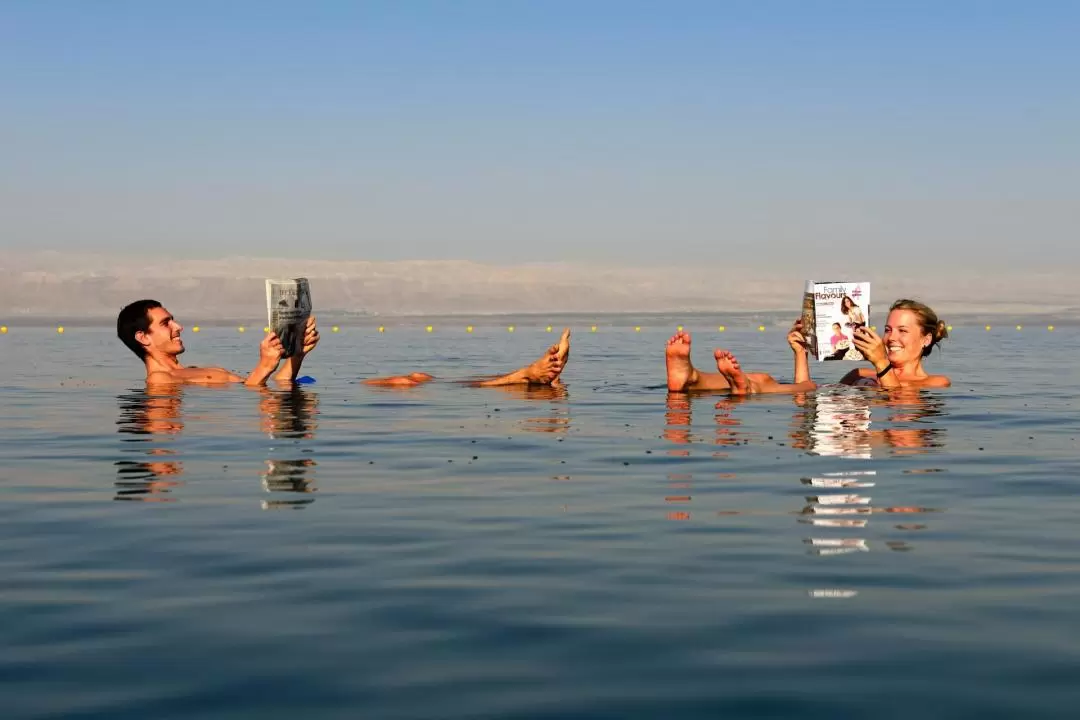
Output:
x=270 y=351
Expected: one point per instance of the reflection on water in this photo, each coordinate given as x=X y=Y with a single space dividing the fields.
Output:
x=679 y=421
x=552 y=401
x=679 y=495
x=290 y=417
x=151 y=419
x=833 y=422
x=837 y=421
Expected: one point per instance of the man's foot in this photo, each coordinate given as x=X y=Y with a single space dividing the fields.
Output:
x=545 y=370
x=680 y=373
x=562 y=353
x=728 y=366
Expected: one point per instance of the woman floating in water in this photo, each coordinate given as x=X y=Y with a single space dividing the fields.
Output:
x=911 y=332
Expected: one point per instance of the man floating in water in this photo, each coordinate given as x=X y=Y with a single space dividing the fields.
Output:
x=545 y=370
x=152 y=333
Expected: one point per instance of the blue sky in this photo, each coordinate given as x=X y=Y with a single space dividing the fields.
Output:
x=832 y=135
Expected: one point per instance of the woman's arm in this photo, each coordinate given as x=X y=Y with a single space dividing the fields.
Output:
x=797 y=341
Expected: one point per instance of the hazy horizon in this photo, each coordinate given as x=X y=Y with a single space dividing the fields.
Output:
x=88 y=286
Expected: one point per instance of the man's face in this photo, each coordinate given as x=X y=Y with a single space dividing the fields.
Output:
x=163 y=335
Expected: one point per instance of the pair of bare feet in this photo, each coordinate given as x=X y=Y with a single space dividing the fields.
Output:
x=545 y=370
x=682 y=376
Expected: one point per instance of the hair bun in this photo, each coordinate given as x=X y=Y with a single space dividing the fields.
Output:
x=942 y=331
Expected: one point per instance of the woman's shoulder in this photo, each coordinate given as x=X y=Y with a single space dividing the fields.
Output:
x=936 y=381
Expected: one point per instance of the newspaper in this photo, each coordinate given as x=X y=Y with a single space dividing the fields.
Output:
x=288 y=307
x=830 y=313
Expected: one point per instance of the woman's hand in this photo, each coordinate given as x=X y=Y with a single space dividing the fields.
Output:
x=796 y=339
x=871 y=346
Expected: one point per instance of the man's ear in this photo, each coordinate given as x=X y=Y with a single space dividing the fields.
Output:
x=142 y=338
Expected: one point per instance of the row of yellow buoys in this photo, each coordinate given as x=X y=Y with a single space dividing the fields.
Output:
x=510 y=328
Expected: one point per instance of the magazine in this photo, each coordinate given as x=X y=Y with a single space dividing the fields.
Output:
x=830 y=313
x=288 y=307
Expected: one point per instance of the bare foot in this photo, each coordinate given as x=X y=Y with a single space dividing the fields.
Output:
x=545 y=370
x=562 y=352
x=728 y=366
x=680 y=373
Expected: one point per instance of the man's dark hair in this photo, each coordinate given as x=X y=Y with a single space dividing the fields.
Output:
x=135 y=318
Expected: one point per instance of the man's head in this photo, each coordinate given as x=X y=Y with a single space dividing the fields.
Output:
x=146 y=327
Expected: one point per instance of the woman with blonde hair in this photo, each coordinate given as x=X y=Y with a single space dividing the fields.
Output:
x=912 y=330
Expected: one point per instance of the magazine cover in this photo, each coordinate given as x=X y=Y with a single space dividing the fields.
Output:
x=288 y=307
x=830 y=313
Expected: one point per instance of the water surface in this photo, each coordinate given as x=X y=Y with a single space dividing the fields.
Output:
x=601 y=551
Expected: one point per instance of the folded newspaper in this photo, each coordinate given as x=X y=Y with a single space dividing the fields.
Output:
x=288 y=307
x=830 y=313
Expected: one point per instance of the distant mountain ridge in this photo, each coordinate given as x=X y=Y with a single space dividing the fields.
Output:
x=92 y=286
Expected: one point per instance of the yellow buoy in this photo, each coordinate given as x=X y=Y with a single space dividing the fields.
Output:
x=195 y=329
x=334 y=329
x=761 y=328
x=240 y=329
x=430 y=328
x=549 y=328
x=679 y=328
x=266 y=328
x=3 y=329
x=468 y=328
x=382 y=329
x=594 y=328
x=1019 y=327
x=721 y=328
x=1048 y=327
x=60 y=329
x=637 y=328
x=874 y=328
x=510 y=329
x=948 y=328
x=987 y=327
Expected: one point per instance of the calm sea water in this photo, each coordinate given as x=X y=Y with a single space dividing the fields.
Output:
x=603 y=552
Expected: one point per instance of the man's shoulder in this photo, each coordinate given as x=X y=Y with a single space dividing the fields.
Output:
x=158 y=377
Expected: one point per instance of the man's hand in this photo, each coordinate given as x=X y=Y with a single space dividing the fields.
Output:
x=291 y=368
x=311 y=336
x=270 y=350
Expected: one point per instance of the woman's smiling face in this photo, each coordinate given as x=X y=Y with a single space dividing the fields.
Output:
x=904 y=337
